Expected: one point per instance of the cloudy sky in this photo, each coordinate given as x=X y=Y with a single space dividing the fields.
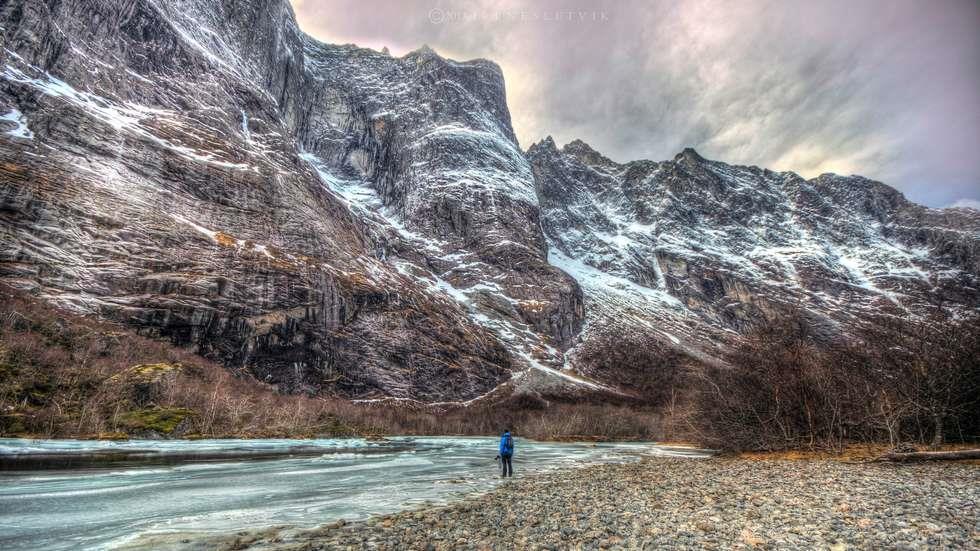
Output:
x=886 y=89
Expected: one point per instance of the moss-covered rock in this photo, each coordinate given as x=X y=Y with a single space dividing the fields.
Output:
x=160 y=420
x=145 y=380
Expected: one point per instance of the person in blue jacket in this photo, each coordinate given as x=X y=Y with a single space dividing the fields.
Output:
x=506 y=453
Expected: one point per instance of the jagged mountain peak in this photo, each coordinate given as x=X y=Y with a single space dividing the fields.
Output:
x=426 y=54
x=586 y=154
x=547 y=142
x=690 y=155
x=423 y=51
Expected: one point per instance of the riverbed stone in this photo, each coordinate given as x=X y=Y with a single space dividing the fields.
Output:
x=718 y=503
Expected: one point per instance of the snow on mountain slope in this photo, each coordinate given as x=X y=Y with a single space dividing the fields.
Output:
x=326 y=218
x=696 y=251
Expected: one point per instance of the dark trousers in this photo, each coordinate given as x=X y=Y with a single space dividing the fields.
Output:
x=505 y=466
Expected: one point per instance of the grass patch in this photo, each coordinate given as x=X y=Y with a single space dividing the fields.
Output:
x=153 y=371
x=162 y=420
x=13 y=423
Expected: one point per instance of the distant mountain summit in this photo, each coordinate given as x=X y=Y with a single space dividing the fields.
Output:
x=334 y=220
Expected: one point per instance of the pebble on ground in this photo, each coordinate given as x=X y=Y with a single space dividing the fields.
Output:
x=717 y=503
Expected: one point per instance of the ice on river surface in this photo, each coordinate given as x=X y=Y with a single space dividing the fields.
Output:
x=352 y=479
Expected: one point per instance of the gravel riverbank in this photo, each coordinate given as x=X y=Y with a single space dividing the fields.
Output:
x=688 y=504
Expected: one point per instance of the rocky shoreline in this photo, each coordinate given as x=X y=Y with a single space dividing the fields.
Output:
x=657 y=503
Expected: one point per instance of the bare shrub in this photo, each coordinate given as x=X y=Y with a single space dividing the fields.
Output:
x=900 y=379
x=926 y=375
x=63 y=375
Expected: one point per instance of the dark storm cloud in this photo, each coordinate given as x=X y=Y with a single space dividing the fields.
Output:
x=889 y=90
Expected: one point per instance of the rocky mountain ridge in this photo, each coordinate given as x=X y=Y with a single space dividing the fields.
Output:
x=336 y=220
x=695 y=252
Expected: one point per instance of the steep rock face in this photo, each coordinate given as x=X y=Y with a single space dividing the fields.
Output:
x=332 y=219
x=326 y=218
x=697 y=251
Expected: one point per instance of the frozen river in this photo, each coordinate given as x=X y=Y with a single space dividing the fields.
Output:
x=227 y=485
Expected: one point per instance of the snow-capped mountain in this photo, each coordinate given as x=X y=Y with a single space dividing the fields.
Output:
x=334 y=219
x=695 y=252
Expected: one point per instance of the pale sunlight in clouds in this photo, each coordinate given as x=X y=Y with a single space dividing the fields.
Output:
x=889 y=90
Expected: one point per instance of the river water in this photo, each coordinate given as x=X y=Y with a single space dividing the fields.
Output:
x=219 y=486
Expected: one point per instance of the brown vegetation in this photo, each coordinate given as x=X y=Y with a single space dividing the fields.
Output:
x=62 y=375
x=787 y=386
x=902 y=379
